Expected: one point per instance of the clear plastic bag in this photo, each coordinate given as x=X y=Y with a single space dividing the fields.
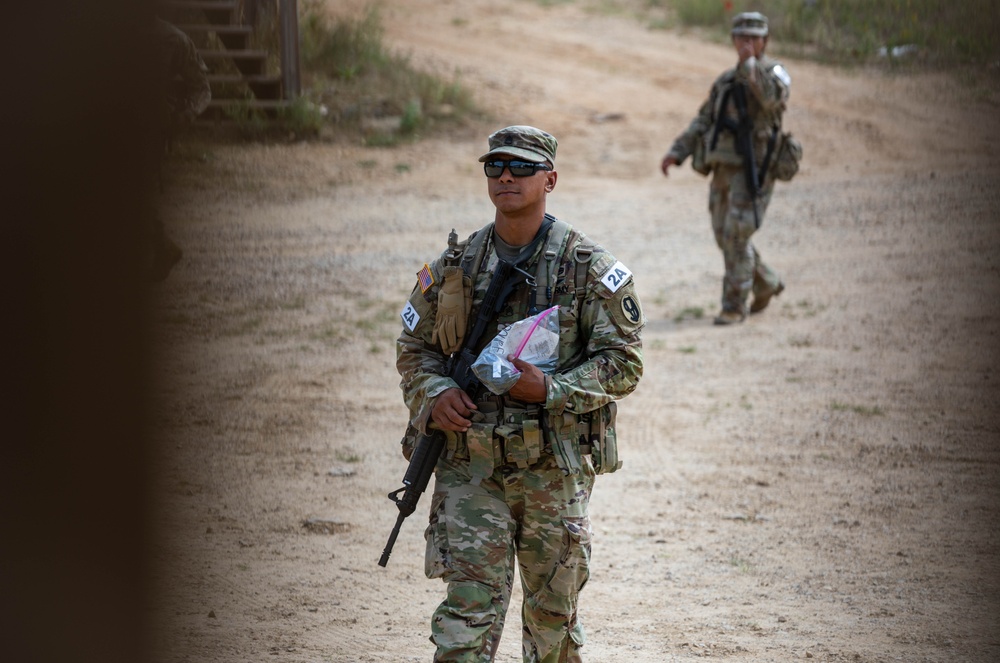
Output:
x=534 y=339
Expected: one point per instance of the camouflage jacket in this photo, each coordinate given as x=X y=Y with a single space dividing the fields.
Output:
x=768 y=84
x=184 y=75
x=600 y=351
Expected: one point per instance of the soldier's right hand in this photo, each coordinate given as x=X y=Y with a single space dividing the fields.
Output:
x=451 y=410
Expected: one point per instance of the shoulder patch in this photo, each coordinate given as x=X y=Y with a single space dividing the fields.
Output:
x=410 y=316
x=631 y=309
x=782 y=75
x=616 y=277
x=426 y=278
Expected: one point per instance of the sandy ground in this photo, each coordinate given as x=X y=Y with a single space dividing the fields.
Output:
x=820 y=482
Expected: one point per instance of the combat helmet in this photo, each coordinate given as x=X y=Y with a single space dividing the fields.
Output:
x=750 y=23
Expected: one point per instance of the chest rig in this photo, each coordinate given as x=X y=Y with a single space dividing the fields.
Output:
x=471 y=255
x=509 y=433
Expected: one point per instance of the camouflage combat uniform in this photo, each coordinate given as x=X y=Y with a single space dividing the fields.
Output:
x=185 y=92
x=186 y=88
x=729 y=202
x=518 y=483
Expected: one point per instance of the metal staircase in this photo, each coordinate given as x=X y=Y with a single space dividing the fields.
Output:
x=244 y=76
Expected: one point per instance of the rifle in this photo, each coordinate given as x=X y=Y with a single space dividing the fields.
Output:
x=742 y=129
x=428 y=448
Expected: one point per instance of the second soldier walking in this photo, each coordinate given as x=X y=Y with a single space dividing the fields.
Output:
x=737 y=137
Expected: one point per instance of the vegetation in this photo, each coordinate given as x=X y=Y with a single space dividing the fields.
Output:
x=353 y=84
x=361 y=85
x=942 y=32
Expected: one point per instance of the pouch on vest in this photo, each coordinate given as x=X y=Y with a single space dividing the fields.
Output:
x=564 y=438
x=479 y=440
x=698 y=162
x=786 y=162
x=604 y=440
x=513 y=448
x=409 y=441
x=454 y=304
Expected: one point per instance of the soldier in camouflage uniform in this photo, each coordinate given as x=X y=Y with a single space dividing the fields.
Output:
x=515 y=479
x=734 y=219
x=185 y=93
x=186 y=89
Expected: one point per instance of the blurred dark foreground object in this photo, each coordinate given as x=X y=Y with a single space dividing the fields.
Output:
x=78 y=154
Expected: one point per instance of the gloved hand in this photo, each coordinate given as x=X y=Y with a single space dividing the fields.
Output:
x=454 y=304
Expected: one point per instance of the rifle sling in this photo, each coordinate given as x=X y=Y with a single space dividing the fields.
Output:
x=723 y=122
x=505 y=279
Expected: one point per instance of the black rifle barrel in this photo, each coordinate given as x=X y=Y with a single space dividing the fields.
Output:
x=428 y=449
x=418 y=475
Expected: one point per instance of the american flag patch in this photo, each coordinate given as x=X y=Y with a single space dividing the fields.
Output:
x=425 y=278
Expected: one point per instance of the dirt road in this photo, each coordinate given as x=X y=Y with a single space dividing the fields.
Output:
x=821 y=482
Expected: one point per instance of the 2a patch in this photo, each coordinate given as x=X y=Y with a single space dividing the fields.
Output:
x=616 y=277
x=410 y=316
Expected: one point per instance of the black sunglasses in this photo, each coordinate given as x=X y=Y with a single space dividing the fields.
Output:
x=517 y=168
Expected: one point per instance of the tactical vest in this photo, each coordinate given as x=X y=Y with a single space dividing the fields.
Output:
x=513 y=432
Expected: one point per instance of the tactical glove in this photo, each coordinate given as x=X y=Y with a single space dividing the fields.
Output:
x=454 y=304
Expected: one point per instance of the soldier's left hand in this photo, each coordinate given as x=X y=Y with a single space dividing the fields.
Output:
x=530 y=387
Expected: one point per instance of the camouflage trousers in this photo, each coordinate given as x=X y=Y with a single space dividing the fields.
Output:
x=733 y=224
x=536 y=516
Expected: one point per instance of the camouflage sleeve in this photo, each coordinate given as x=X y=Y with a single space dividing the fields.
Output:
x=420 y=363
x=768 y=81
x=684 y=144
x=194 y=77
x=611 y=320
x=702 y=123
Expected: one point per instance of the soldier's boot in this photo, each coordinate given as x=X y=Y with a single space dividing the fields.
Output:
x=761 y=301
x=727 y=317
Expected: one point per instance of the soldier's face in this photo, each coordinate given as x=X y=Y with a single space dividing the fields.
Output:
x=747 y=45
x=512 y=194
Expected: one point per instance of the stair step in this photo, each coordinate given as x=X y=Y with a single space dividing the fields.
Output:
x=233 y=37
x=260 y=79
x=250 y=63
x=262 y=86
x=217 y=108
x=200 y=4
x=215 y=11
x=246 y=54
x=218 y=29
x=252 y=103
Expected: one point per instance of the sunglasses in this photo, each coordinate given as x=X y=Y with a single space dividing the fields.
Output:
x=517 y=168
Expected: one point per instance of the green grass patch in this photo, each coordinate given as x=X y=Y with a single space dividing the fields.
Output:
x=690 y=313
x=365 y=87
x=347 y=456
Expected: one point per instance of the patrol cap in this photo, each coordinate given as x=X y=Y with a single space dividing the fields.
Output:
x=750 y=23
x=522 y=141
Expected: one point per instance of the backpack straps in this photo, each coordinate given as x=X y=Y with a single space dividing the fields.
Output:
x=475 y=251
x=545 y=269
